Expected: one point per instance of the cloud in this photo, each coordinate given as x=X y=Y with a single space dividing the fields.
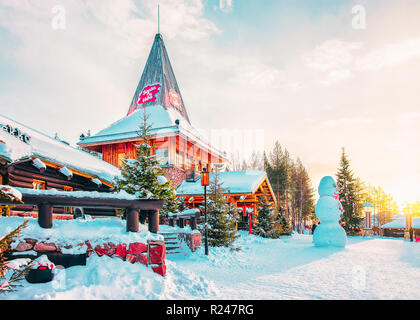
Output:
x=331 y=55
x=304 y=77
x=347 y=122
x=390 y=55
x=338 y=60
x=86 y=73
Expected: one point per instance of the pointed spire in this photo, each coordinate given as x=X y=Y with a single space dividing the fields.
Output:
x=158 y=85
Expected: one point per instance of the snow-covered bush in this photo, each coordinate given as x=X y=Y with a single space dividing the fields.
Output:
x=221 y=217
x=144 y=178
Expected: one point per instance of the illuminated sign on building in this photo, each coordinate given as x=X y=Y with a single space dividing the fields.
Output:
x=16 y=133
x=149 y=94
x=175 y=99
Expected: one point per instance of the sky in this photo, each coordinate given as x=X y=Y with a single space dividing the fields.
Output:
x=316 y=75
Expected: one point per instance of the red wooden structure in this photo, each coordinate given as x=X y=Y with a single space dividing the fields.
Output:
x=179 y=147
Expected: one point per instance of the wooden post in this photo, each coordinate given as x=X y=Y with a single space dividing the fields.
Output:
x=153 y=217
x=172 y=222
x=45 y=214
x=132 y=220
x=193 y=223
x=249 y=222
x=181 y=222
x=143 y=216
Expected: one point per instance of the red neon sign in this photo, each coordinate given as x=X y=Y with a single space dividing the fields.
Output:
x=149 y=94
x=175 y=99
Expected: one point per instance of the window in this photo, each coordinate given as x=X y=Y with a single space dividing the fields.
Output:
x=38 y=185
x=68 y=209
x=179 y=158
x=121 y=158
x=162 y=156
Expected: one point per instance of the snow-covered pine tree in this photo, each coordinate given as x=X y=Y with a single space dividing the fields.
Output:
x=351 y=220
x=233 y=213
x=11 y=277
x=284 y=224
x=181 y=204
x=144 y=177
x=266 y=225
x=221 y=226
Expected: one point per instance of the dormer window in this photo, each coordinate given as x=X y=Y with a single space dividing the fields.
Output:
x=38 y=184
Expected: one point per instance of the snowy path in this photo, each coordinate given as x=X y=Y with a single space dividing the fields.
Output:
x=294 y=269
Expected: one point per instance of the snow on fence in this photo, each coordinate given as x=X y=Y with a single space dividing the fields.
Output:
x=72 y=242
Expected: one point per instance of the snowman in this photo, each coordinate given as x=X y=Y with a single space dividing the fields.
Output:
x=328 y=211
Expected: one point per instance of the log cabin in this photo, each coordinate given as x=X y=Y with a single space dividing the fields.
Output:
x=243 y=188
x=31 y=159
x=180 y=148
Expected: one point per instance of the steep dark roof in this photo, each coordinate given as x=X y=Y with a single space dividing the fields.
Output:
x=44 y=147
x=158 y=71
x=165 y=107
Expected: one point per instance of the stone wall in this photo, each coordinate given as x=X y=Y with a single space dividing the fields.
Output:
x=176 y=175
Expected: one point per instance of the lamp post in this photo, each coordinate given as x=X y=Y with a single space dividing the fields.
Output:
x=409 y=222
x=205 y=183
x=367 y=210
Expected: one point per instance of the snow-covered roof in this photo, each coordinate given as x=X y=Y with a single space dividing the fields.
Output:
x=233 y=181
x=368 y=204
x=46 y=148
x=161 y=120
x=158 y=93
x=400 y=223
x=122 y=195
x=162 y=123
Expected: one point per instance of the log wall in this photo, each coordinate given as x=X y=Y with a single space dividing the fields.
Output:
x=23 y=175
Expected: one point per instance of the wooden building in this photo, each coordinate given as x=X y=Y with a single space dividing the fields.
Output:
x=181 y=150
x=400 y=226
x=179 y=147
x=31 y=159
x=243 y=188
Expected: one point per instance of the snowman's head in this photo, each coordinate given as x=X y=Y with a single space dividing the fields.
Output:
x=327 y=187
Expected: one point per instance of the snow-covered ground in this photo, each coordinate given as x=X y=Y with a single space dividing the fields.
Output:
x=288 y=268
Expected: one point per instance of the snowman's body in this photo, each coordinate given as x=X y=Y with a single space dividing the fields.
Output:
x=327 y=210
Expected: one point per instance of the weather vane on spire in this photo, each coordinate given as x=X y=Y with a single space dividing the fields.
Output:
x=158 y=20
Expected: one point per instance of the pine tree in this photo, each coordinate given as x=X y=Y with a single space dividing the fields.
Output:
x=181 y=204
x=9 y=279
x=351 y=219
x=256 y=162
x=221 y=224
x=266 y=225
x=144 y=177
x=303 y=202
x=284 y=225
x=278 y=166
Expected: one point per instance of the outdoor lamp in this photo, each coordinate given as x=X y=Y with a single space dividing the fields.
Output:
x=204 y=177
x=205 y=183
